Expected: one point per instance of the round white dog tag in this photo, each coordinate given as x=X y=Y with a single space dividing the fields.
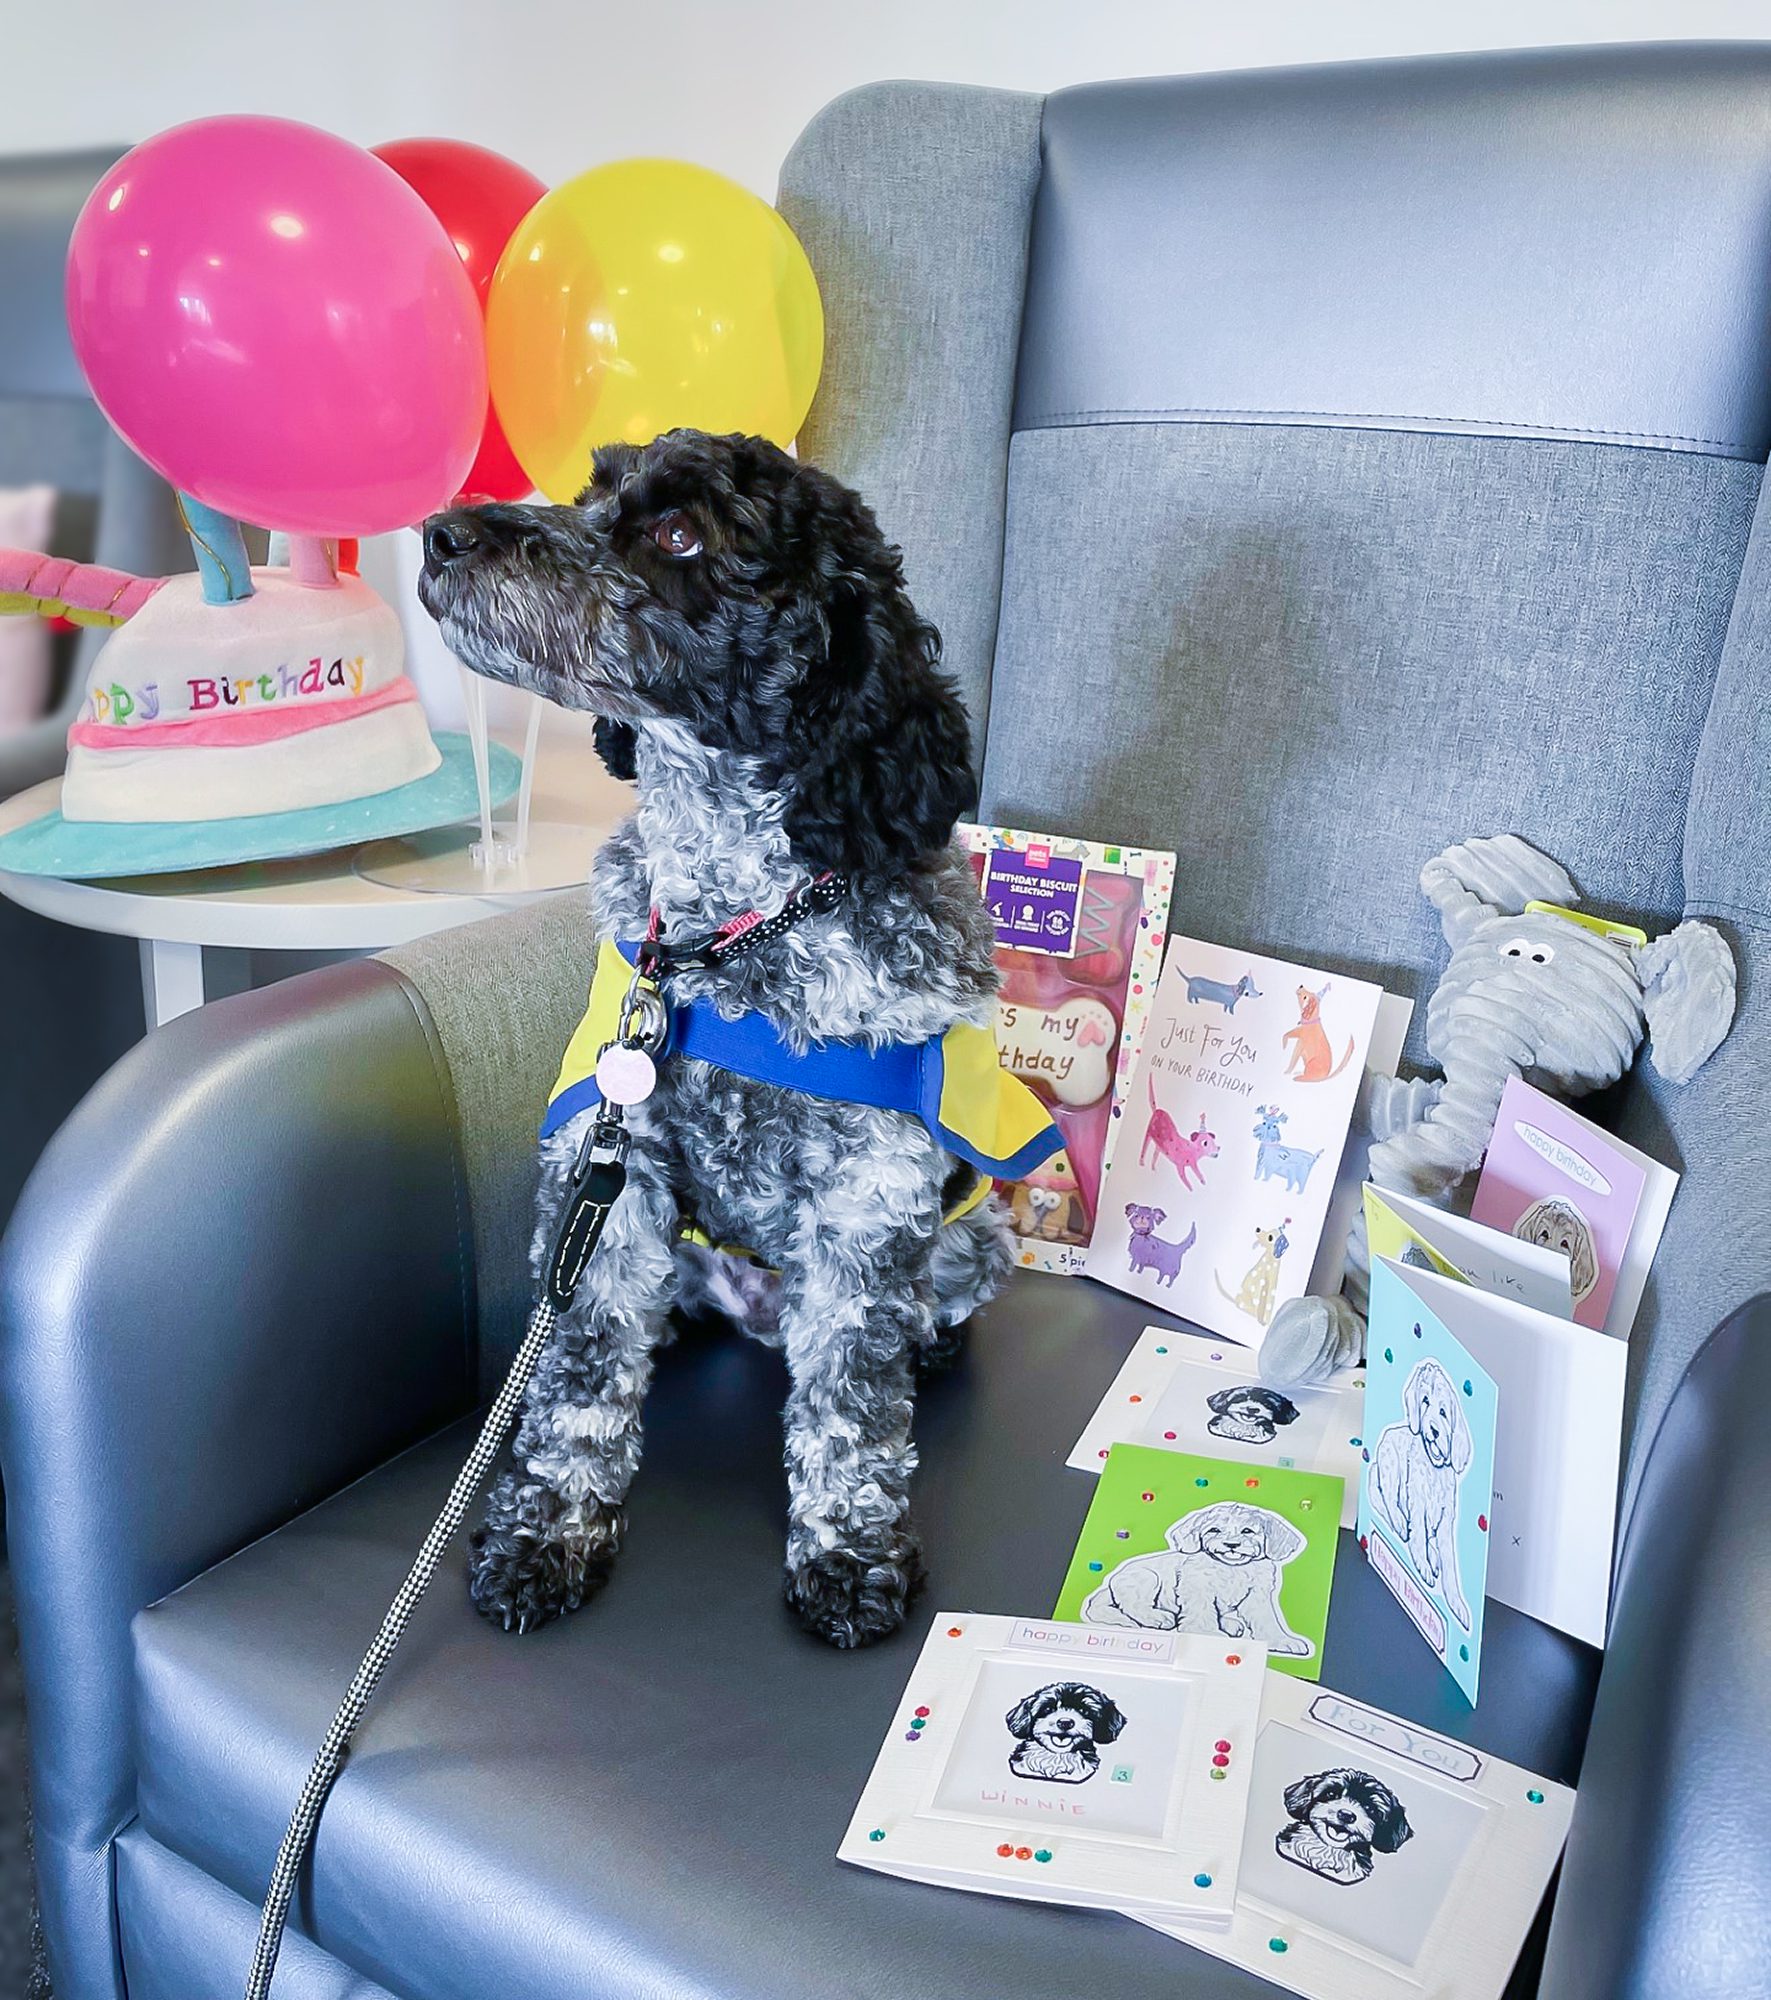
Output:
x=625 y=1076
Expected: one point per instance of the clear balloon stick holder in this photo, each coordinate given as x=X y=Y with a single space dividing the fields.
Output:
x=510 y=859
x=498 y=847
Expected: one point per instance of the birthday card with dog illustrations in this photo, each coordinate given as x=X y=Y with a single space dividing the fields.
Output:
x=1426 y=1493
x=1211 y=1546
x=1236 y=1117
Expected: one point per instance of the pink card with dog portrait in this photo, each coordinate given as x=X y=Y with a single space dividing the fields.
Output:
x=1079 y=936
x=1553 y=1178
x=1236 y=1117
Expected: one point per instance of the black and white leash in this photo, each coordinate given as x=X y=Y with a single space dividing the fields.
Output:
x=598 y=1176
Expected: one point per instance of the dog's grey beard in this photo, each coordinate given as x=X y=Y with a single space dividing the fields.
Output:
x=579 y=651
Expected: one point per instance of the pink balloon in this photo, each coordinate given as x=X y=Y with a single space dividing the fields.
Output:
x=280 y=327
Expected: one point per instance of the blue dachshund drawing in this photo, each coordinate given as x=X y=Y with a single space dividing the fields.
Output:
x=1274 y=1162
x=1221 y=991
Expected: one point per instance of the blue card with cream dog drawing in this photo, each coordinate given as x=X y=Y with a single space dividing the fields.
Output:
x=1426 y=1486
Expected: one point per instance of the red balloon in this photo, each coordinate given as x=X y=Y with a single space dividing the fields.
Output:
x=479 y=197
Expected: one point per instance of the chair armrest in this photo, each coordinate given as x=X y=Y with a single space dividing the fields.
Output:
x=1666 y=1887
x=240 y=1276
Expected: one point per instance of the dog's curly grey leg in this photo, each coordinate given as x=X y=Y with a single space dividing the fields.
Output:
x=972 y=1258
x=554 y=1518
x=855 y=1310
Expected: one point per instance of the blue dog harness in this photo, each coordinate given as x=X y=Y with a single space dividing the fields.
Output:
x=953 y=1083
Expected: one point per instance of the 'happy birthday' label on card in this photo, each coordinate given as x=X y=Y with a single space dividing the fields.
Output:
x=1051 y=1636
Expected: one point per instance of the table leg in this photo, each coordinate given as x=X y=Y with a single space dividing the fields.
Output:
x=171 y=979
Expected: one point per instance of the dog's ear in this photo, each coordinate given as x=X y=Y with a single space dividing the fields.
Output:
x=1219 y=1400
x=615 y=745
x=1463 y=1443
x=1283 y=1541
x=1415 y=1391
x=885 y=765
x=1300 y=1796
x=1158 y=1216
x=1389 y=1823
x=1184 y=1536
x=1020 y=1718
x=1108 y=1721
x=1285 y=1411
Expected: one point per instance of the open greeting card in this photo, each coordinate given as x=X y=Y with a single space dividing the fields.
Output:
x=1558 y=1448
x=1178 y=1543
x=1035 y=1759
x=1428 y=1464
x=1381 y=1861
x=1554 y=1180
x=1215 y=1202
x=1079 y=936
x=1422 y=1237
x=1181 y=1392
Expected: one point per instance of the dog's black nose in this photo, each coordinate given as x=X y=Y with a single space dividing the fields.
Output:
x=448 y=537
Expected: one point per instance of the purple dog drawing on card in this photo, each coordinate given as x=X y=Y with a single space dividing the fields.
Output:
x=1149 y=1252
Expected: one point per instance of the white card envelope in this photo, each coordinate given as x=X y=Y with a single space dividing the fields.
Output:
x=1557 y=1452
x=1064 y=1763
x=1489 y=1258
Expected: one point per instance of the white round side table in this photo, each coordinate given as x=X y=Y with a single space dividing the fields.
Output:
x=316 y=903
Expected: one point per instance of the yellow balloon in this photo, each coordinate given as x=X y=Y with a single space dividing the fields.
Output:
x=644 y=296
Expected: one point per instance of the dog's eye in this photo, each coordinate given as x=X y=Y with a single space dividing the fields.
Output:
x=675 y=534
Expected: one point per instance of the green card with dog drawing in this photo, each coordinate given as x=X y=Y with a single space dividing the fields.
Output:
x=1177 y=1543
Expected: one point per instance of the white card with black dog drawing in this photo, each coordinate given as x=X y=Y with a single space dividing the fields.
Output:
x=1183 y=1392
x=1382 y=1861
x=1060 y=1764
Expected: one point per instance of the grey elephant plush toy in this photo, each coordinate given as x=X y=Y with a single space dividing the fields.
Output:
x=1543 y=993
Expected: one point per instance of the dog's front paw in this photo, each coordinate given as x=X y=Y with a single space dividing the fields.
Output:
x=852 y=1600
x=520 y=1580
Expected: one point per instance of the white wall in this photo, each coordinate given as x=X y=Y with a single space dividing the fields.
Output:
x=562 y=84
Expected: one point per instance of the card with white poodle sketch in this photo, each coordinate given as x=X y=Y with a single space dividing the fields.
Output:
x=1031 y=1758
x=1381 y=1861
x=1427 y=1485
x=1239 y=1106
x=1178 y=1543
x=1188 y=1392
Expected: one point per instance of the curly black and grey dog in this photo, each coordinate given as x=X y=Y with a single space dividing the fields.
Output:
x=740 y=627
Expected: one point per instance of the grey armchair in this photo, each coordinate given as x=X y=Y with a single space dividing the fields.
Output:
x=1108 y=362
x=70 y=999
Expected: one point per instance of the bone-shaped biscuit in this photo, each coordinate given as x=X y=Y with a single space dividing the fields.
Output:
x=1068 y=1048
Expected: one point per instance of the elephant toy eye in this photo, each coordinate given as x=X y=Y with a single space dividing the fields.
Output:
x=1539 y=954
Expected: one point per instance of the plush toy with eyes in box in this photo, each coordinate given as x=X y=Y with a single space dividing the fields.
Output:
x=1536 y=987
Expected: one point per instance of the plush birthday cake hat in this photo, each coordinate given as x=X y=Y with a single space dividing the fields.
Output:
x=275 y=721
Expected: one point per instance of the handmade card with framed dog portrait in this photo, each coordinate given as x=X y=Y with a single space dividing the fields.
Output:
x=1182 y=1392
x=1029 y=1758
x=1427 y=1486
x=1381 y=1861
x=1209 y=1546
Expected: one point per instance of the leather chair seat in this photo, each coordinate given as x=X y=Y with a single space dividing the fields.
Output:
x=645 y=1799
